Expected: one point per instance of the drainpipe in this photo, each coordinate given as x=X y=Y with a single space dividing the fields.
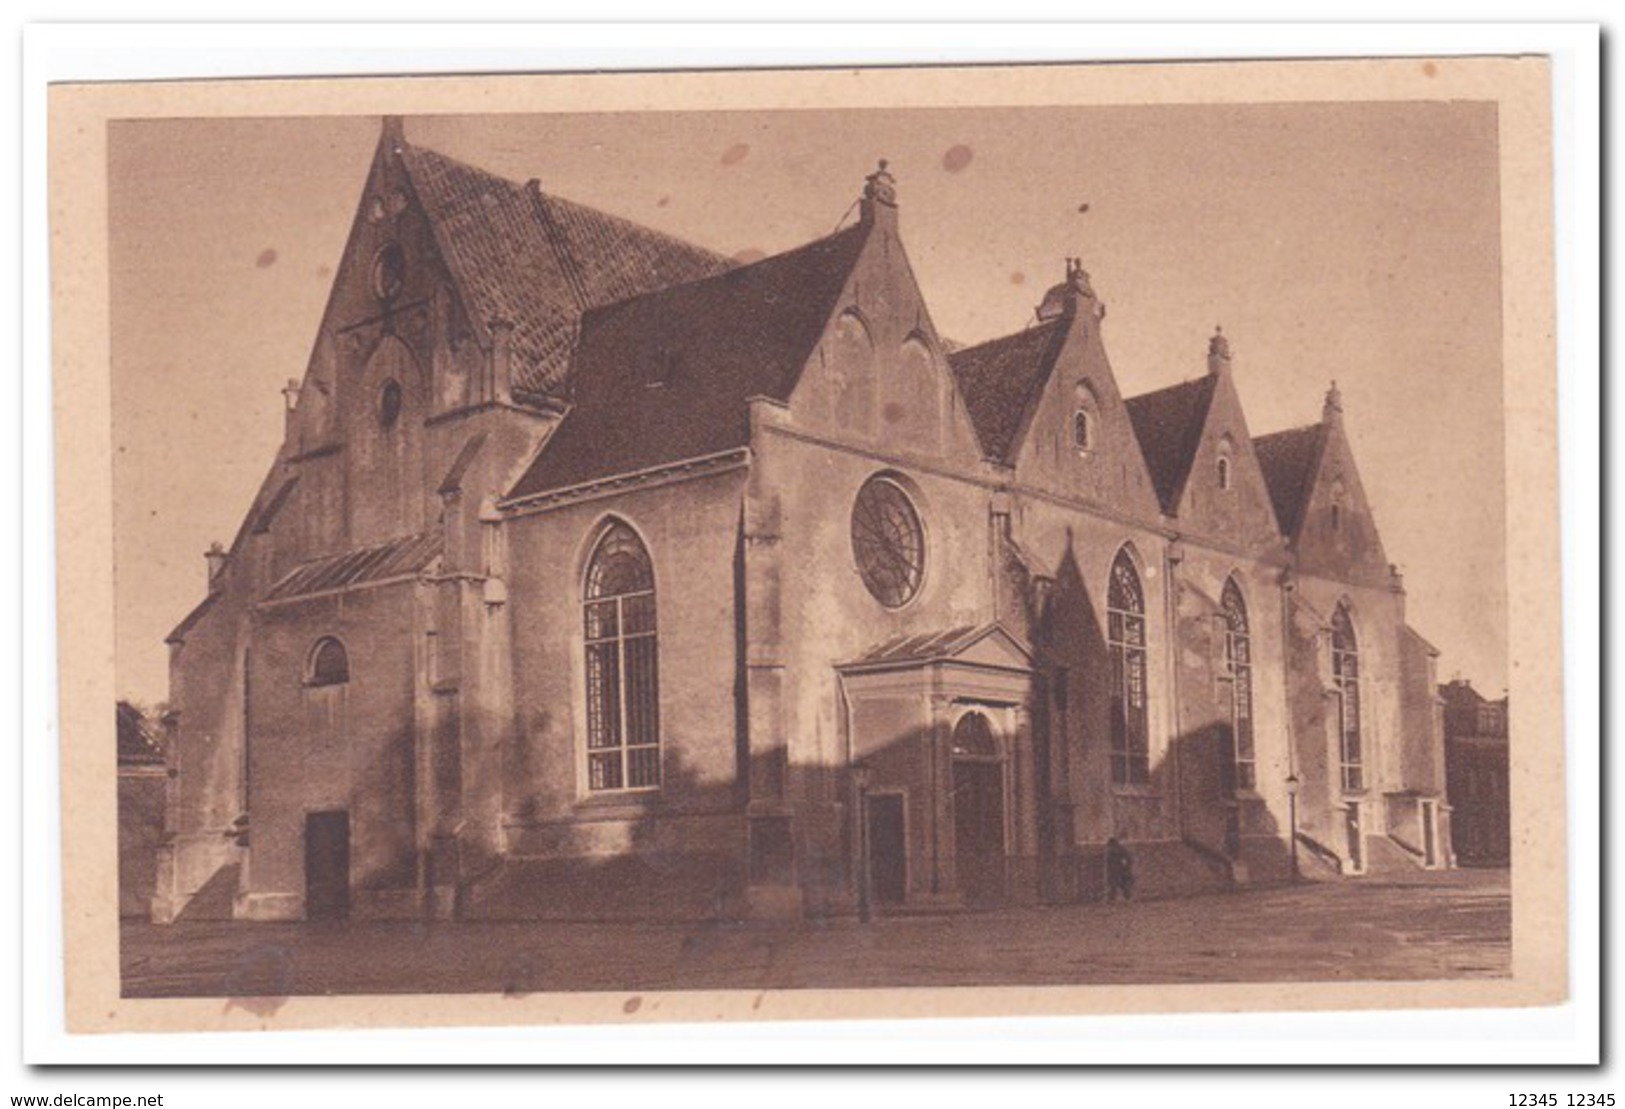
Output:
x=1175 y=555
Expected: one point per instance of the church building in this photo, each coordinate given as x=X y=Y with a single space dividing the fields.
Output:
x=600 y=576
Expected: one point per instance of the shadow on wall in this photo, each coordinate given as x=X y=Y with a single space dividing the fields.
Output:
x=676 y=853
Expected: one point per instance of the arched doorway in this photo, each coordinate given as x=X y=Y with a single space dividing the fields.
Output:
x=978 y=805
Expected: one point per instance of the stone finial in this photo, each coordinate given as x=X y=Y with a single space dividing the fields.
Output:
x=1333 y=409
x=216 y=557
x=290 y=394
x=393 y=134
x=881 y=187
x=1062 y=299
x=1218 y=351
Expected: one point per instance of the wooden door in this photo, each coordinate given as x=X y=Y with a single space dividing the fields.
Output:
x=327 y=865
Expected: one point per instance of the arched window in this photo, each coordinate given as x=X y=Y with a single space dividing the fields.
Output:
x=1083 y=431
x=329 y=663
x=1083 y=419
x=1346 y=677
x=1224 y=472
x=973 y=738
x=1238 y=672
x=1125 y=634
x=623 y=685
x=389 y=404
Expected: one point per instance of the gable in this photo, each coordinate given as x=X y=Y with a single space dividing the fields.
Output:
x=878 y=376
x=1224 y=493
x=1337 y=536
x=1108 y=468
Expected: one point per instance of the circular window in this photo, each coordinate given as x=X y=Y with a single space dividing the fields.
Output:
x=888 y=542
x=389 y=403
x=388 y=271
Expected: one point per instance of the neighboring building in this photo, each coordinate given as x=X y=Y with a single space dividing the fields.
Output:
x=1476 y=748
x=142 y=781
x=598 y=575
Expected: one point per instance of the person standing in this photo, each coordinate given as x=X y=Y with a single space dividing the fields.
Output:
x=1119 y=871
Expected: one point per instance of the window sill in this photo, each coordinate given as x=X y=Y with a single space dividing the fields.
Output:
x=1143 y=792
x=628 y=803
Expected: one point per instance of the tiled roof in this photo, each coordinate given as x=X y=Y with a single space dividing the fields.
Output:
x=537 y=261
x=1288 y=459
x=1000 y=381
x=922 y=648
x=930 y=646
x=665 y=377
x=1168 y=424
x=397 y=558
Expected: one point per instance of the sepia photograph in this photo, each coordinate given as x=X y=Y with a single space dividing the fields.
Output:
x=585 y=550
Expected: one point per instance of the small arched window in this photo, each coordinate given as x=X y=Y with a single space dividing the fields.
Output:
x=973 y=738
x=1346 y=679
x=623 y=683
x=1224 y=472
x=1084 y=431
x=389 y=404
x=1125 y=635
x=329 y=663
x=1238 y=672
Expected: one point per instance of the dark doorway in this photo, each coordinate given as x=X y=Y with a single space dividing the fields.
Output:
x=979 y=830
x=327 y=865
x=888 y=849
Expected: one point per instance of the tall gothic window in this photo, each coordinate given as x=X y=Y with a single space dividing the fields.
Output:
x=1238 y=666
x=1125 y=633
x=1346 y=677
x=623 y=685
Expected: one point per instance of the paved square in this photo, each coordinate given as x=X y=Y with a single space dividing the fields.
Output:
x=1452 y=925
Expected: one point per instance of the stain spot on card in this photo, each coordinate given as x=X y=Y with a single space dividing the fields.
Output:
x=267 y=259
x=735 y=154
x=957 y=158
x=633 y=1004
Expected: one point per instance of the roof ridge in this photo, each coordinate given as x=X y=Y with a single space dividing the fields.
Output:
x=1026 y=331
x=733 y=273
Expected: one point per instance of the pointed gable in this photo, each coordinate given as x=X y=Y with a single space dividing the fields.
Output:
x=1289 y=459
x=1337 y=535
x=1168 y=424
x=1001 y=381
x=667 y=376
x=538 y=262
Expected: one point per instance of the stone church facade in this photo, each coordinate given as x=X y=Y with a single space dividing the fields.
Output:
x=600 y=576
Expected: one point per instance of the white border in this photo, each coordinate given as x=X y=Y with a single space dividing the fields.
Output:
x=1561 y=1034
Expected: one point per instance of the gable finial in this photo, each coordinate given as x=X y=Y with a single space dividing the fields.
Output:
x=1334 y=404
x=1218 y=351
x=393 y=134
x=881 y=186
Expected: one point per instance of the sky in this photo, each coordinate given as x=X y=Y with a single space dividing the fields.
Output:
x=1355 y=242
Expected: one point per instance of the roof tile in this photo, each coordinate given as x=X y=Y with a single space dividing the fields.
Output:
x=1168 y=423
